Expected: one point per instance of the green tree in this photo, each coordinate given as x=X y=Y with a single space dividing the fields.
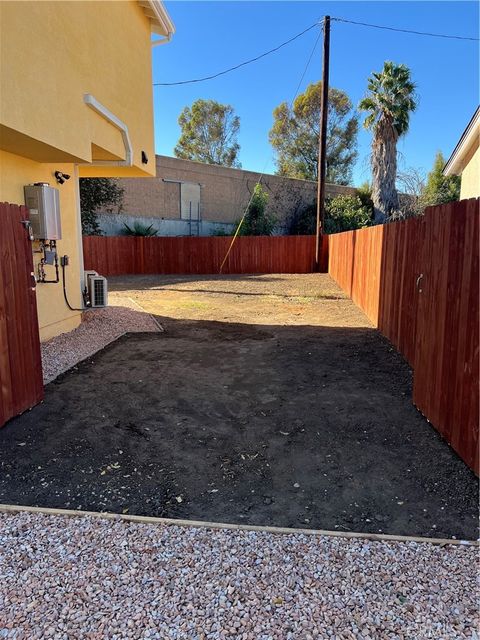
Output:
x=439 y=188
x=258 y=222
x=209 y=134
x=342 y=213
x=97 y=194
x=295 y=134
x=389 y=102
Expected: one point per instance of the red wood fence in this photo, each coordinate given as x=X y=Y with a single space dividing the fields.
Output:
x=21 y=380
x=418 y=282
x=120 y=255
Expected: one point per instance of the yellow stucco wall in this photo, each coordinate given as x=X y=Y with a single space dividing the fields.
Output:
x=470 y=185
x=15 y=172
x=51 y=54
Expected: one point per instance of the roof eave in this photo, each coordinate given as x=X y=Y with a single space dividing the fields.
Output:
x=454 y=165
x=160 y=21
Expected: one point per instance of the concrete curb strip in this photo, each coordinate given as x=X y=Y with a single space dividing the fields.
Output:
x=11 y=508
x=140 y=308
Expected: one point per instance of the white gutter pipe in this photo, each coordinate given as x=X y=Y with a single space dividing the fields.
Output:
x=164 y=19
x=99 y=108
x=165 y=40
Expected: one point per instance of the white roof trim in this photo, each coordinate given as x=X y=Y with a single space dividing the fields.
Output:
x=160 y=21
x=455 y=164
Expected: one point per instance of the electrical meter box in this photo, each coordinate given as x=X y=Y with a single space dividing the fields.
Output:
x=44 y=205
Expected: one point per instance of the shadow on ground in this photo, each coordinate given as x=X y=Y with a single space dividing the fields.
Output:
x=301 y=426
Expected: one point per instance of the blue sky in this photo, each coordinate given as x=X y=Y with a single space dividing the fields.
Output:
x=212 y=36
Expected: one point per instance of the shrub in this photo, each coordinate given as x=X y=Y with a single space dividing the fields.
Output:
x=140 y=229
x=304 y=221
x=344 y=213
x=364 y=192
x=257 y=221
x=97 y=194
x=220 y=231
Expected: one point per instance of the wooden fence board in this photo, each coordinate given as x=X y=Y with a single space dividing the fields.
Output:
x=121 y=255
x=21 y=378
x=435 y=324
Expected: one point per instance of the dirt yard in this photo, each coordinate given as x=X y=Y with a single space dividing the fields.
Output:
x=266 y=400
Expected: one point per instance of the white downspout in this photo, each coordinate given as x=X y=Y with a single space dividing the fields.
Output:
x=165 y=40
x=99 y=108
x=164 y=19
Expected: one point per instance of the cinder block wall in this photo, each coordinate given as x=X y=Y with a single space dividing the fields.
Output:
x=225 y=192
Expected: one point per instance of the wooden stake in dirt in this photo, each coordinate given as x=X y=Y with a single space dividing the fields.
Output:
x=322 y=141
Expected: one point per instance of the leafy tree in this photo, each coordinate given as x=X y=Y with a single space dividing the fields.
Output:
x=342 y=213
x=96 y=194
x=389 y=102
x=439 y=188
x=258 y=222
x=295 y=135
x=209 y=134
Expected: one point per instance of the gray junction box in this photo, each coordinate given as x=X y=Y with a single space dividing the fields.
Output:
x=44 y=205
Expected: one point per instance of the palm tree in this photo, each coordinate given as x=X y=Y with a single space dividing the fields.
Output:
x=389 y=102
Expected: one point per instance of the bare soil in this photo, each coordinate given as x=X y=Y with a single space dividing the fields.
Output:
x=267 y=400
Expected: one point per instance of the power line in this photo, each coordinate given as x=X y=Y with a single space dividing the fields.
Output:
x=417 y=33
x=260 y=178
x=242 y=64
x=306 y=66
x=284 y=44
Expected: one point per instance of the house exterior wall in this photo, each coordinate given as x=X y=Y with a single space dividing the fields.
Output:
x=15 y=172
x=470 y=184
x=51 y=55
x=70 y=49
x=225 y=192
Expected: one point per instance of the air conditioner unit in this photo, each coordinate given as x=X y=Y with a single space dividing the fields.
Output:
x=87 y=274
x=97 y=291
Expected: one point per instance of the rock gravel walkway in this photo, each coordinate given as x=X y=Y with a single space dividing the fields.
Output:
x=99 y=327
x=89 y=578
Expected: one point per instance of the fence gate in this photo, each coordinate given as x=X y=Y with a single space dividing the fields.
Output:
x=445 y=384
x=21 y=379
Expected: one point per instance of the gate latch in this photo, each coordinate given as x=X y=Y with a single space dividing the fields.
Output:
x=28 y=228
x=418 y=282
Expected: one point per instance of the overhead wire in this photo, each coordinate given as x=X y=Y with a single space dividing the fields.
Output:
x=417 y=33
x=237 y=231
x=237 y=66
x=298 y=35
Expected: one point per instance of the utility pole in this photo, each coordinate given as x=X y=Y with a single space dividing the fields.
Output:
x=322 y=142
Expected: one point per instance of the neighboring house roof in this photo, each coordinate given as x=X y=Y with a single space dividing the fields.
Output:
x=470 y=138
x=159 y=19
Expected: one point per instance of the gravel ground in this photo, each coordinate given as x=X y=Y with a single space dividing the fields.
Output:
x=99 y=327
x=89 y=578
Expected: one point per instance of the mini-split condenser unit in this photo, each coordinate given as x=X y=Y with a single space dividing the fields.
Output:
x=97 y=289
